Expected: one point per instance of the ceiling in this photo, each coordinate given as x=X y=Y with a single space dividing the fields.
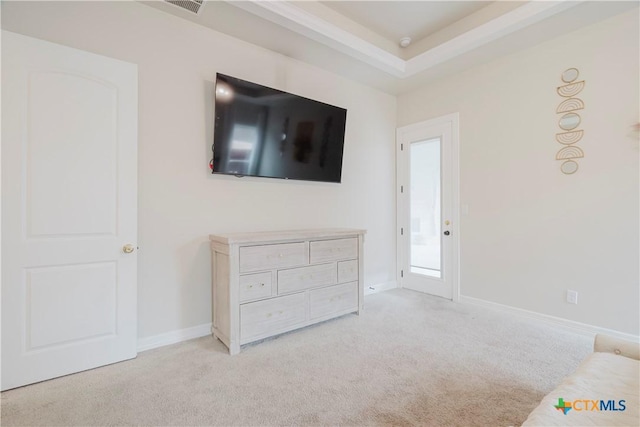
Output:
x=361 y=39
x=416 y=19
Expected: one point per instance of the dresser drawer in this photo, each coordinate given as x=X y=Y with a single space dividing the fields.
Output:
x=334 y=299
x=299 y=279
x=266 y=257
x=255 y=286
x=333 y=250
x=269 y=317
x=347 y=271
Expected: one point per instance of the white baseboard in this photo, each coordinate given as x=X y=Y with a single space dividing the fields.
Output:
x=173 y=337
x=379 y=287
x=180 y=335
x=581 y=328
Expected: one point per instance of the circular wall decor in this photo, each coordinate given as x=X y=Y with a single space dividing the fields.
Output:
x=570 y=104
x=571 y=89
x=569 y=121
x=570 y=152
x=568 y=138
x=569 y=75
x=569 y=167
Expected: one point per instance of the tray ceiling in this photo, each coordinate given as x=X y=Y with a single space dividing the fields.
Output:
x=360 y=39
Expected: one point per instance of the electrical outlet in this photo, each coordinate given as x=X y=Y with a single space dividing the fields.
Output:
x=572 y=297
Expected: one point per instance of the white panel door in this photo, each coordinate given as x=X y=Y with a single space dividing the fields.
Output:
x=69 y=191
x=427 y=206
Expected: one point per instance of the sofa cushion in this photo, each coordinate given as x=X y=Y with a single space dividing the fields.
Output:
x=604 y=391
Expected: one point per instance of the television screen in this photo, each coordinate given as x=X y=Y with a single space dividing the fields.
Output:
x=260 y=131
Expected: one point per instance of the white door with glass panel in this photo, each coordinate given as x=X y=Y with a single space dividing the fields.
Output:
x=427 y=206
x=69 y=216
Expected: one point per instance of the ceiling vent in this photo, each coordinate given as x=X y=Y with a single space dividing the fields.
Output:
x=193 y=6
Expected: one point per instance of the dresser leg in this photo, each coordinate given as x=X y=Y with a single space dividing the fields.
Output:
x=234 y=349
x=214 y=335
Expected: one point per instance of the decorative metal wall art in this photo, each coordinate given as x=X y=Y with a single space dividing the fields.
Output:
x=569 y=121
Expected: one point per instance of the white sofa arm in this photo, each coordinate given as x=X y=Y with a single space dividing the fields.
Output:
x=608 y=344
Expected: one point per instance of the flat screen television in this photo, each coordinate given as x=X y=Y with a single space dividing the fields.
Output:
x=264 y=132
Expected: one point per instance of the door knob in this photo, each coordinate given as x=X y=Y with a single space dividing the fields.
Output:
x=128 y=248
x=446 y=233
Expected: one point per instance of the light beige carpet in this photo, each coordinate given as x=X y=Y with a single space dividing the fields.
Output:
x=409 y=359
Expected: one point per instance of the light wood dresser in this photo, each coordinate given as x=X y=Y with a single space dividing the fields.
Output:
x=264 y=284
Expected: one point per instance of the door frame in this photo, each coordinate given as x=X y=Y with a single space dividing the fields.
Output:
x=401 y=208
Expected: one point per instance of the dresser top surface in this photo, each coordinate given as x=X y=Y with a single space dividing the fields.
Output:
x=285 y=235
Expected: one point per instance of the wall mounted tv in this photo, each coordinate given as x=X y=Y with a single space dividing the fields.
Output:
x=264 y=132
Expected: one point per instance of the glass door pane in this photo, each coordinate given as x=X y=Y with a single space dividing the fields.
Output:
x=425 y=257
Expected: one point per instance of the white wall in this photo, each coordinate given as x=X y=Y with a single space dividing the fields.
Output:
x=532 y=232
x=180 y=203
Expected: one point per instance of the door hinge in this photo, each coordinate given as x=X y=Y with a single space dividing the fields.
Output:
x=401 y=147
x=402 y=188
x=401 y=273
x=401 y=231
